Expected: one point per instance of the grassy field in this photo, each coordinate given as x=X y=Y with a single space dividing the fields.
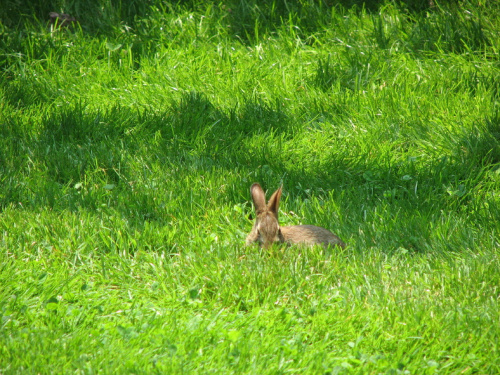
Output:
x=129 y=141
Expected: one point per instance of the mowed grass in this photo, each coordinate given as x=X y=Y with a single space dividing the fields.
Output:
x=127 y=148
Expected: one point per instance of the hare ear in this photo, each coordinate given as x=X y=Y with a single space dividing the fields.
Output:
x=258 y=197
x=274 y=201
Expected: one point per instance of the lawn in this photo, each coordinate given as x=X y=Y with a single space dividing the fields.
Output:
x=128 y=144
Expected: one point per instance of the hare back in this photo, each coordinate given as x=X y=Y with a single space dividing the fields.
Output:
x=310 y=235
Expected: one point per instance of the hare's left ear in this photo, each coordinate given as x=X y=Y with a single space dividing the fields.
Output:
x=274 y=202
x=258 y=197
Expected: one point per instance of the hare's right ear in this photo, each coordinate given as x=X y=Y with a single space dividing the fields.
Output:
x=274 y=201
x=258 y=197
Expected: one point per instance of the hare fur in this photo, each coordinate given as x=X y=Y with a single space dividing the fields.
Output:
x=267 y=230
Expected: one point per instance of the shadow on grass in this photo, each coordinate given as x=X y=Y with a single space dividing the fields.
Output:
x=25 y=93
x=430 y=25
x=248 y=20
x=99 y=15
x=80 y=146
x=82 y=158
x=74 y=141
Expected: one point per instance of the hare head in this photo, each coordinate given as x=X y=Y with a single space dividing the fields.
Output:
x=266 y=229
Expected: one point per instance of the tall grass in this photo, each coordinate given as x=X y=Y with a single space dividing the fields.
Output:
x=129 y=141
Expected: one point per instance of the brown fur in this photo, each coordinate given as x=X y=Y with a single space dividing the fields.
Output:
x=62 y=20
x=267 y=230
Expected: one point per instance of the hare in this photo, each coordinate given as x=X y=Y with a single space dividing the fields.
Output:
x=267 y=230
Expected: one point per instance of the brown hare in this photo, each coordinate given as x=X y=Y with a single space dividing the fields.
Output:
x=267 y=230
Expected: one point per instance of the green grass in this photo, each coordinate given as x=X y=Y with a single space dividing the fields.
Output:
x=128 y=146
